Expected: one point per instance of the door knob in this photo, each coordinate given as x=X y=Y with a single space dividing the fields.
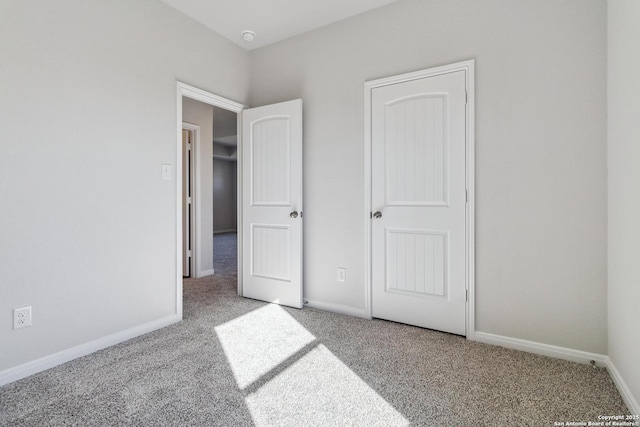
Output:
x=294 y=214
x=377 y=215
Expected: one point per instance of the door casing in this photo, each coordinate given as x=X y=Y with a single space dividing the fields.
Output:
x=185 y=90
x=195 y=144
x=468 y=67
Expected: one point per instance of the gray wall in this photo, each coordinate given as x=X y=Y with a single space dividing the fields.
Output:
x=540 y=151
x=224 y=195
x=624 y=185
x=201 y=114
x=225 y=128
x=87 y=116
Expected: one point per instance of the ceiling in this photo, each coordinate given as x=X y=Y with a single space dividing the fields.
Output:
x=271 y=20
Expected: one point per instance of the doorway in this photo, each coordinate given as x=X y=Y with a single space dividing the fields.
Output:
x=275 y=129
x=420 y=204
x=202 y=222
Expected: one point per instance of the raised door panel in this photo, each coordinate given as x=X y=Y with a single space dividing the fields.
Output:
x=271 y=251
x=416 y=262
x=271 y=162
x=416 y=151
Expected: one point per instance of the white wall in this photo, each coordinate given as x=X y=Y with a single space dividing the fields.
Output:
x=624 y=189
x=540 y=150
x=201 y=114
x=87 y=116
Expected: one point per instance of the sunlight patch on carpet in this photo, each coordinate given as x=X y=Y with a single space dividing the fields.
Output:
x=259 y=341
x=319 y=389
x=289 y=378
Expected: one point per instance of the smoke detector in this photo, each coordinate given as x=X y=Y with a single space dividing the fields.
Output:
x=248 y=35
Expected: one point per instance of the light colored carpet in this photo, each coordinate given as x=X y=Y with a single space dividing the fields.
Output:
x=240 y=362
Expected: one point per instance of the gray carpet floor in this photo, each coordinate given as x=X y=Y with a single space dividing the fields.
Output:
x=240 y=362
x=225 y=249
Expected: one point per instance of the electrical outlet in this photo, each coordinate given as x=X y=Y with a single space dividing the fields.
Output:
x=342 y=274
x=21 y=317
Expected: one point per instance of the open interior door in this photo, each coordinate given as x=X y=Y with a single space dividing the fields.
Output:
x=272 y=203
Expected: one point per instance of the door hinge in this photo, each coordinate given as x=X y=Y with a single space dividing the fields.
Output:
x=188 y=200
x=189 y=145
x=466 y=196
x=466 y=97
x=189 y=254
x=466 y=294
x=370 y=214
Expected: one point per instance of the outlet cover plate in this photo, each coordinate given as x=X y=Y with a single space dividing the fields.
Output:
x=21 y=317
x=342 y=274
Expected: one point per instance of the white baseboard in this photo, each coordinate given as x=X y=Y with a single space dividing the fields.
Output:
x=22 y=371
x=205 y=273
x=231 y=230
x=626 y=394
x=337 y=308
x=566 y=354
x=543 y=349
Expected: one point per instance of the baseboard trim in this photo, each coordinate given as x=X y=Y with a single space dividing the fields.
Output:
x=337 y=308
x=22 y=371
x=542 y=349
x=622 y=387
x=231 y=230
x=566 y=354
x=206 y=273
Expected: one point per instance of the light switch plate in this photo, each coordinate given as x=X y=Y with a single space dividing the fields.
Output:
x=166 y=172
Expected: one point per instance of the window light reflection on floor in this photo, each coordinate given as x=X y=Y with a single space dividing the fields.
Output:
x=290 y=379
x=259 y=341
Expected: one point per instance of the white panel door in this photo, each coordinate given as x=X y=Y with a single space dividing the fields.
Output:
x=418 y=199
x=272 y=203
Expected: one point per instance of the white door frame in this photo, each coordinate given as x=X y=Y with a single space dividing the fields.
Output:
x=468 y=67
x=185 y=90
x=195 y=228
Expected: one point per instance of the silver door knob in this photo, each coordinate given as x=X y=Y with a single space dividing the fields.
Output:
x=294 y=214
x=377 y=215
